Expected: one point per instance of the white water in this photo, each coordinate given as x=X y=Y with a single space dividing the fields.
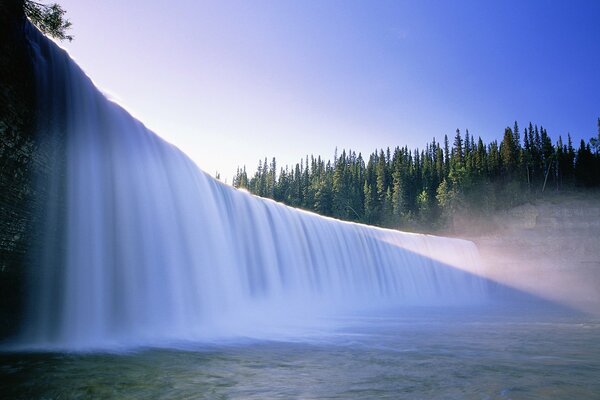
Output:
x=150 y=248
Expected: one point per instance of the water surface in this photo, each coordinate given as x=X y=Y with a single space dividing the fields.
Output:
x=428 y=354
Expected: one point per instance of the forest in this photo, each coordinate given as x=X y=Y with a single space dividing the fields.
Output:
x=422 y=189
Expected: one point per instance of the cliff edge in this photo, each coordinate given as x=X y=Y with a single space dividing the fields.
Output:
x=20 y=160
x=550 y=247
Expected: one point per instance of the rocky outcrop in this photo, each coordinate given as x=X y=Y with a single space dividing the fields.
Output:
x=17 y=161
x=550 y=247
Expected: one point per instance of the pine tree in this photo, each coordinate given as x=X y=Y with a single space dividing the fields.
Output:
x=398 y=177
x=595 y=141
x=410 y=187
x=480 y=158
x=583 y=165
x=382 y=184
x=508 y=153
x=272 y=178
x=457 y=151
x=446 y=156
x=370 y=191
x=517 y=137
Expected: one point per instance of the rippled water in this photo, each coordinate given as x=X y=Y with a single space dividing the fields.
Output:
x=440 y=355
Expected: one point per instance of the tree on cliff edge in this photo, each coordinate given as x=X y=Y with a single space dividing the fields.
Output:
x=49 y=18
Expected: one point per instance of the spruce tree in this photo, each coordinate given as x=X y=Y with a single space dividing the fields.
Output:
x=457 y=150
x=508 y=153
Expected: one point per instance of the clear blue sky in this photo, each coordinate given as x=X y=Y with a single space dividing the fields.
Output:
x=230 y=82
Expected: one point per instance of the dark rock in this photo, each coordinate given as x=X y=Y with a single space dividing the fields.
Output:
x=17 y=153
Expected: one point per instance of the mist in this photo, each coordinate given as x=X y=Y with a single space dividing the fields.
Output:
x=547 y=248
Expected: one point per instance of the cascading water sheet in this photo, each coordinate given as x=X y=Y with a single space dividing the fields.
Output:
x=142 y=246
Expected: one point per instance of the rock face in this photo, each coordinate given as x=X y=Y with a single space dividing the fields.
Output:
x=550 y=248
x=18 y=160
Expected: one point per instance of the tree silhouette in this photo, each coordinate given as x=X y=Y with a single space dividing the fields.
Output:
x=49 y=18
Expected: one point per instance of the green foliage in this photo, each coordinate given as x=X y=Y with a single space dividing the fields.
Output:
x=423 y=189
x=49 y=18
x=595 y=141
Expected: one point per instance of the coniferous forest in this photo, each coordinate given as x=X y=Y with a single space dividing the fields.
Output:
x=421 y=189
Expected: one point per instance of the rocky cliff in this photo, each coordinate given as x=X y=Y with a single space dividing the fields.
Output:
x=550 y=247
x=21 y=159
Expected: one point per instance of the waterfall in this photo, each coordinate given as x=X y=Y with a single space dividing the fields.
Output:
x=142 y=246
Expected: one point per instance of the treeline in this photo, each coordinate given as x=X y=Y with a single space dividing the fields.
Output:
x=423 y=188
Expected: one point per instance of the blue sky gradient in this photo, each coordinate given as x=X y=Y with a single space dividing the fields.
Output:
x=230 y=82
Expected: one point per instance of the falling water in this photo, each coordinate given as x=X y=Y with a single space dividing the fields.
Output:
x=142 y=246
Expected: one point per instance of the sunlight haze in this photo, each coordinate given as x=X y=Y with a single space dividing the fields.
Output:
x=232 y=82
